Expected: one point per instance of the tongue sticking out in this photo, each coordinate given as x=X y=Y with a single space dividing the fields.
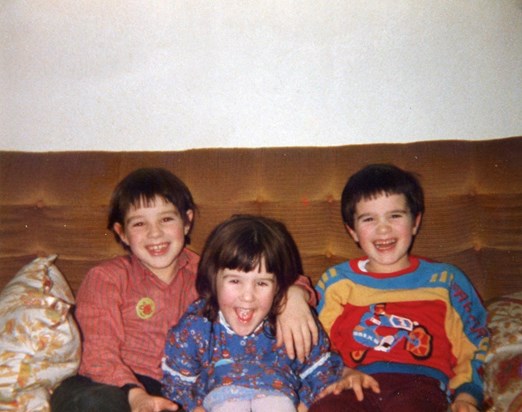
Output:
x=244 y=315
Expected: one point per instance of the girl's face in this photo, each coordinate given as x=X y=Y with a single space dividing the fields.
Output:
x=245 y=298
x=384 y=228
x=155 y=233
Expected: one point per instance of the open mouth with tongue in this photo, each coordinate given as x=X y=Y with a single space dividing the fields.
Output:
x=244 y=315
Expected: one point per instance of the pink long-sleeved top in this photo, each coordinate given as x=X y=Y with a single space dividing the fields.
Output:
x=124 y=312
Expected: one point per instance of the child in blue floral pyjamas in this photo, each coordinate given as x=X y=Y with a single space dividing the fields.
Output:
x=222 y=355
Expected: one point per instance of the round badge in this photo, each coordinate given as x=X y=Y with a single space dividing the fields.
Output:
x=145 y=308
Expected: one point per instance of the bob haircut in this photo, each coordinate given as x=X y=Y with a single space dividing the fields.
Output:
x=245 y=242
x=140 y=187
x=376 y=179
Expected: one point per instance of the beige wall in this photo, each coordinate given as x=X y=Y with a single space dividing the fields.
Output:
x=172 y=75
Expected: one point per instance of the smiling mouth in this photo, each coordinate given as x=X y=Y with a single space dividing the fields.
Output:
x=157 y=249
x=385 y=244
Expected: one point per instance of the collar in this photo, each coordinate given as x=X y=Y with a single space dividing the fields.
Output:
x=359 y=266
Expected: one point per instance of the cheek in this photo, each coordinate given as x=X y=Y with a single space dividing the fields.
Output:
x=363 y=233
x=129 y=237
x=268 y=298
x=409 y=230
x=224 y=295
x=182 y=232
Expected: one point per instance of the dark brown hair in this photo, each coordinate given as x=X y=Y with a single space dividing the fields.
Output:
x=244 y=242
x=140 y=187
x=376 y=179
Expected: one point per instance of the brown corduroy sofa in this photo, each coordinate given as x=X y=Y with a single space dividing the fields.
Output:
x=56 y=203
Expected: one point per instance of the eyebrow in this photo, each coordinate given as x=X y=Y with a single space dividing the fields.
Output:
x=164 y=213
x=405 y=211
x=270 y=277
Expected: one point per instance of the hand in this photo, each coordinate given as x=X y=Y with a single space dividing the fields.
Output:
x=464 y=402
x=141 y=401
x=296 y=326
x=199 y=409
x=302 y=407
x=352 y=379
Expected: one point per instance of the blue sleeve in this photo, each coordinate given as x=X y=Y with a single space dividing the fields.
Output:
x=322 y=368
x=468 y=305
x=182 y=361
x=320 y=289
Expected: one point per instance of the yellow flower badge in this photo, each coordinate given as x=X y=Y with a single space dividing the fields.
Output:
x=145 y=308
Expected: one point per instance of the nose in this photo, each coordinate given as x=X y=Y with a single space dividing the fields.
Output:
x=383 y=226
x=247 y=293
x=154 y=230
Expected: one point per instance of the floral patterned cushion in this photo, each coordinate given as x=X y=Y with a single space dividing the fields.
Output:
x=503 y=370
x=39 y=339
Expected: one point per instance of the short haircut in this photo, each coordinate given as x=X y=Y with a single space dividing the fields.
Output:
x=376 y=179
x=140 y=187
x=244 y=242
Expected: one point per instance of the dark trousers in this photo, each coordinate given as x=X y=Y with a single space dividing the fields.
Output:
x=399 y=392
x=80 y=394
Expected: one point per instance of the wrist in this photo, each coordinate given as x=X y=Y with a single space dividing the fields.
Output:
x=131 y=390
x=467 y=402
x=300 y=290
x=128 y=386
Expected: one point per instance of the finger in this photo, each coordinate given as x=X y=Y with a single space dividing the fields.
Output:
x=166 y=405
x=371 y=383
x=326 y=391
x=298 y=341
x=289 y=341
x=314 y=330
x=279 y=334
x=357 y=389
x=307 y=341
x=341 y=386
x=375 y=387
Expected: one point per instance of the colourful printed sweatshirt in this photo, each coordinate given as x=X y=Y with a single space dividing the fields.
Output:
x=201 y=356
x=427 y=319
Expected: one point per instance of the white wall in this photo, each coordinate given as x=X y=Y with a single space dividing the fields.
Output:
x=178 y=74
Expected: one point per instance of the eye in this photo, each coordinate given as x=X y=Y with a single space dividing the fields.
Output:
x=367 y=219
x=137 y=224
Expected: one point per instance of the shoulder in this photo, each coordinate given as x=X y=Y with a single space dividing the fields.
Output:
x=192 y=325
x=189 y=260
x=105 y=282
x=192 y=256
x=438 y=267
x=110 y=271
x=343 y=268
x=117 y=265
x=194 y=315
x=446 y=273
x=336 y=273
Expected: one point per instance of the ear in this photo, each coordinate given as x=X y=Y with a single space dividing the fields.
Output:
x=190 y=218
x=118 y=228
x=417 y=223
x=352 y=233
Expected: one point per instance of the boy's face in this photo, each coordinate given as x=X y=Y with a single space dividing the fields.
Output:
x=245 y=298
x=155 y=233
x=384 y=229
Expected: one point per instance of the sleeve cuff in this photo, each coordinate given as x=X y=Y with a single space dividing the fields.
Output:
x=471 y=389
x=128 y=386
